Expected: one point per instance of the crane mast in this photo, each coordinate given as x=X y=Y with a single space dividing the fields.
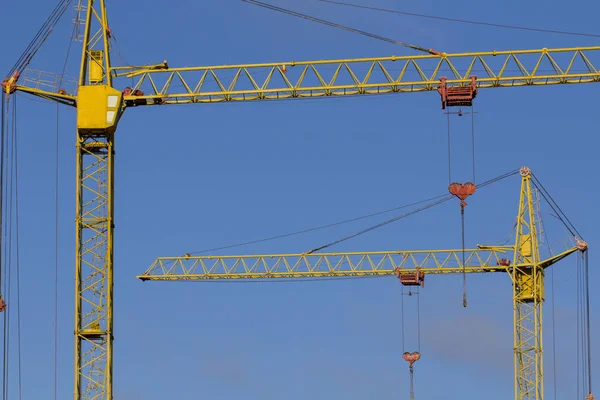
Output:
x=100 y=106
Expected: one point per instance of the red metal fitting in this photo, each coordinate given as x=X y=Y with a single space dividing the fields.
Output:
x=504 y=262
x=525 y=171
x=9 y=85
x=411 y=278
x=411 y=358
x=459 y=95
x=581 y=245
x=462 y=191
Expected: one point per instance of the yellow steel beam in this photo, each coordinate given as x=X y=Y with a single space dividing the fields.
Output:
x=345 y=77
x=70 y=100
x=161 y=84
x=378 y=263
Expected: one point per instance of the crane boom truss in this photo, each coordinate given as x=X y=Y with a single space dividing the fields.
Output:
x=161 y=84
x=347 y=77
x=346 y=264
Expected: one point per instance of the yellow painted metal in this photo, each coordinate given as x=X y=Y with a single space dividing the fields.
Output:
x=96 y=69
x=376 y=263
x=99 y=109
x=528 y=298
x=95 y=58
x=96 y=125
x=347 y=77
x=67 y=99
x=526 y=271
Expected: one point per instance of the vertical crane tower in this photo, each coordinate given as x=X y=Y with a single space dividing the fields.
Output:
x=100 y=106
x=99 y=109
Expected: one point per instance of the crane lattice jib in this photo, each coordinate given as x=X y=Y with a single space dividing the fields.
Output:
x=161 y=84
x=343 y=264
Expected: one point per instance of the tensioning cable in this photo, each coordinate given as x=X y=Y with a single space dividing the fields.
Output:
x=407 y=214
x=343 y=27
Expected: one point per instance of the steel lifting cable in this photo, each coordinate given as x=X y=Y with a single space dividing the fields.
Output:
x=9 y=236
x=415 y=211
x=414 y=356
x=464 y=21
x=331 y=225
x=17 y=251
x=41 y=36
x=587 y=316
x=2 y=236
x=580 y=351
x=555 y=207
x=343 y=27
x=544 y=235
x=6 y=244
x=583 y=323
x=583 y=311
x=462 y=198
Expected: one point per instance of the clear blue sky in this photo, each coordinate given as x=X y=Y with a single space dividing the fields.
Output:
x=202 y=176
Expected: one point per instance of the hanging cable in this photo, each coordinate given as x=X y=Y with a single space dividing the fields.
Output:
x=438 y=202
x=17 y=251
x=3 y=238
x=334 y=224
x=449 y=152
x=418 y=320
x=7 y=242
x=56 y=212
x=544 y=235
x=462 y=191
x=557 y=210
x=462 y=217
x=333 y=24
x=40 y=37
x=587 y=316
x=463 y=20
x=473 y=138
x=415 y=211
x=402 y=317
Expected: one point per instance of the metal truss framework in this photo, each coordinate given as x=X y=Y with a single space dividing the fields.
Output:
x=94 y=273
x=528 y=298
x=95 y=212
x=376 y=263
x=102 y=96
x=526 y=271
x=164 y=85
x=160 y=84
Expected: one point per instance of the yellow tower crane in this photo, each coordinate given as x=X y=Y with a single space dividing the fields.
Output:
x=521 y=261
x=100 y=104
